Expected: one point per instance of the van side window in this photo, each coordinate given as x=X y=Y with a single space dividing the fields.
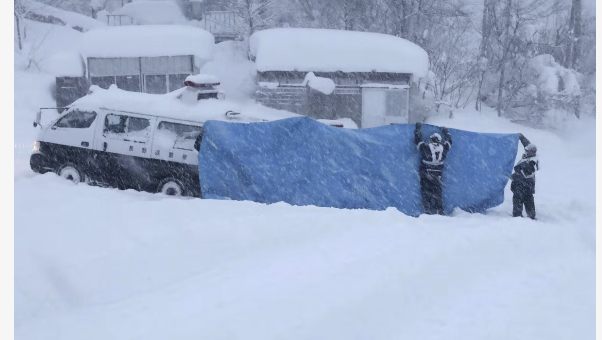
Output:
x=177 y=136
x=131 y=129
x=77 y=120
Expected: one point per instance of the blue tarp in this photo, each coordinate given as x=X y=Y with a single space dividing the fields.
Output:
x=304 y=162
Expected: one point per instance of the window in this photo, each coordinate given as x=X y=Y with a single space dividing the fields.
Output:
x=155 y=83
x=397 y=103
x=128 y=83
x=177 y=136
x=176 y=81
x=77 y=120
x=132 y=129
x=103 y=82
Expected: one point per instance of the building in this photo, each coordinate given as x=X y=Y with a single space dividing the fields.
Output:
x=131 y=58
x=373 y=73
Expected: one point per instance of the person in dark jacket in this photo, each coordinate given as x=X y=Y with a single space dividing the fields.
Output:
x=432 y=158
x=523 y=180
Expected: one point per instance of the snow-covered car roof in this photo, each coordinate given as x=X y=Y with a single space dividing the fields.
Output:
x=147 y=41
x=173 y=105
x=324 y=50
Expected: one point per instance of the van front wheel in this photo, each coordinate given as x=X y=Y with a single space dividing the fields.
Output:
x=71 y=172
x=171 y=187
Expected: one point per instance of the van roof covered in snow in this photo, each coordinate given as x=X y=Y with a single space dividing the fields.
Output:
x=180 y=104
x=143 y=41
x=324 y=50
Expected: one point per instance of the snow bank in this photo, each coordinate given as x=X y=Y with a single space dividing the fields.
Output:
x=42 y=41
x=320 y=84
x=65 y=64
x=153 y=12
x=169 y=105
x=148 y=41
x=42 y=12
x=305 y=49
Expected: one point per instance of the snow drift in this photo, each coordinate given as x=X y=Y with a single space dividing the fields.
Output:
x=302 y=162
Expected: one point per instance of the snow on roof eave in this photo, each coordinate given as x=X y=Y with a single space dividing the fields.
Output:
x=324 y=50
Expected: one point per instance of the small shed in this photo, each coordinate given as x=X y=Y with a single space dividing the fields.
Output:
x=372 y=73
x=146 y=58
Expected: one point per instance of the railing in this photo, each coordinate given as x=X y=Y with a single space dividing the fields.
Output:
x=117 y=20
x=221 y=22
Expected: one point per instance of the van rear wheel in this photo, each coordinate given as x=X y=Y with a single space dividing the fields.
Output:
x=72 y=173
x=171 y=187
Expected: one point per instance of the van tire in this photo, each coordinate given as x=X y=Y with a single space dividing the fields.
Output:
x=171 y=187
x=72 y=172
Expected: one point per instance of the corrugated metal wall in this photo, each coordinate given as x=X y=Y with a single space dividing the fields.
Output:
x=144 y=74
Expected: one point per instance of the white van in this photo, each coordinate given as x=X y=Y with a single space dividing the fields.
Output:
x=132 y=140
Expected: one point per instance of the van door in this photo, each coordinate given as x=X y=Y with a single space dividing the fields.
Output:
x=75 y=129
x=124 y=142
x=71 y=138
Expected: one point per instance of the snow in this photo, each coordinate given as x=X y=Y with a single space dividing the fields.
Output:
x=549 y=72
x=346 y=123
x=153 y=12
x=234 y=70
x=148 y=41
x=323 y=50
x=44 y=40
x=386 y=86
x=71 y=19
x=65 y=64
x=145 y=267
x=320 y=84
x=202 y=79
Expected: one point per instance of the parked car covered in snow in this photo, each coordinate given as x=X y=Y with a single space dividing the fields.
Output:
x=132 y=140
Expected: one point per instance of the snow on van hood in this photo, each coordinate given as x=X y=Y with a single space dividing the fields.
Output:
x=174 y=105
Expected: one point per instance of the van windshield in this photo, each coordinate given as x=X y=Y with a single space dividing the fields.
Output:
x=76 y=120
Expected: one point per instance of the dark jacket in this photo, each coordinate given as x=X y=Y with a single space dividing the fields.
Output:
x=523 y=178
x=432 y=155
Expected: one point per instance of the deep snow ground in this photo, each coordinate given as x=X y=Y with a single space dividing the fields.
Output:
x=94 y=263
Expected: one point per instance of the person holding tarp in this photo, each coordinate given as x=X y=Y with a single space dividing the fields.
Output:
x=523 y=180
x=432 y=159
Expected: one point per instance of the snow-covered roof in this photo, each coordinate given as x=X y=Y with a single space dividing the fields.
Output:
x=70 y=19
x=64 y=64
x=170 y=106
x=323 y=50
x=153 y=12
x=147 y=41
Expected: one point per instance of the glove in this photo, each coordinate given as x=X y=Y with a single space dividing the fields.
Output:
x=418 y=125
x=444 y=129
